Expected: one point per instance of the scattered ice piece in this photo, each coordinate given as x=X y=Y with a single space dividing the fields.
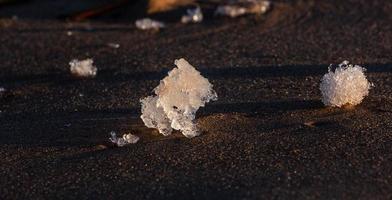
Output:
x=83 y=68
x=2 y=90
x=124 y=140
x=69 y=33
x=242 y=7
x=347 y=85
x=154 y=116
x=147 y=23
x=178 y=97
x=193 y=15
x=229 y=10
x=114 y=45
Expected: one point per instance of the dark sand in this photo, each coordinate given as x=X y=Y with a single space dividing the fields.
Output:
x=267 y=137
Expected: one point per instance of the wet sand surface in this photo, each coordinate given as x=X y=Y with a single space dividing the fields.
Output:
x=268 y=136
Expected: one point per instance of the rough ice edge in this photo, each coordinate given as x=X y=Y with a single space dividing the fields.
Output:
x=178 y=99
x=347 y=85
x=154 y=116
x=83 y=68
x=236 y=10
x=192 y=16
x=147 y=24
x=124 y=140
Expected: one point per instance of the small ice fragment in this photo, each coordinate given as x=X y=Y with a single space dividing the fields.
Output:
x=147 y=23
x=114 y=45
x=347 y=85
x=193 y=15
x=83 y=68
x=232 y=11
x=243 y=7
x=124 y=140
x=130 y=138
x=178 y=97
x=2 y=90
x=69 y=33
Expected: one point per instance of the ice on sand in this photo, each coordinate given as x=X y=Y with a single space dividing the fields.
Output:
x=124 y=140
x=147 y=23
x=347 y=85
x=242 y=7
x=193 y=15
x=178 y=97
x=83 y=68
x=154 y=116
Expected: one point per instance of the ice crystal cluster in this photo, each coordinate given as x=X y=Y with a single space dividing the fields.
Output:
x=242 y=7
x=193 y=15
x=124 y=140
x=176 y=100
x=147 y=24
x=347 y=85
x=83 y=68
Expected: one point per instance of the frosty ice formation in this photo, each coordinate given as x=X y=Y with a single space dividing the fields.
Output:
x=147 y=23
x=243 y=7
x=193 y=15
x=177 y=98
x=346 y=86
x=83 y=68
x=126 y=139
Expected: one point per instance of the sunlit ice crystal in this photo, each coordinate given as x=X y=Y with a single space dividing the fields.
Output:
x=193 y=15
x=347 y=85
x=180 y=95
x=124 y=140
x=154 y=116
x=147 y=23
x=242 y=7
x=83 y=68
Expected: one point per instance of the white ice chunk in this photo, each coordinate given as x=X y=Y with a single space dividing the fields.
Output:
x=83 y=68
x=193 y=15
x=126 y=139
x=147 y=23
x=231 y=11
x=154 y=116
x=2 y=90
x=180 y=95
x=113 y=45
x=346 y=86
x=243 y=7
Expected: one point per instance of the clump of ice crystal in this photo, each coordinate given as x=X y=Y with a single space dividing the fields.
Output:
x=193 y=15
x=242 y=7
x=124 y=140
x=83 y=68
x=147 y=23
x=178 y=97
x=347 y=85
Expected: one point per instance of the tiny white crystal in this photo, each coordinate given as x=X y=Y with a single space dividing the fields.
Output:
x=114 y=45
x=83 y=68
x=2 y=90
x=126 y=139
x=178 y=97
x=243 y=7
x=347 y=85
x=147 y=23
x=193 y=15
